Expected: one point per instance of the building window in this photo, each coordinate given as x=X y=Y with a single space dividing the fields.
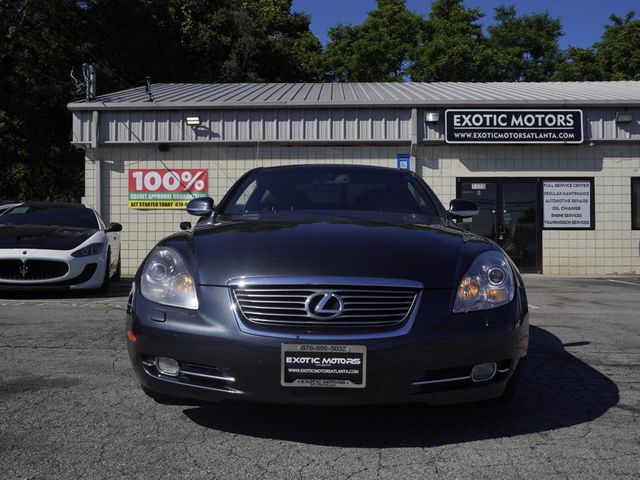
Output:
x=635 y=203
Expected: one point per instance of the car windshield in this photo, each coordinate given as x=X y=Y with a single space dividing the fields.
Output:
x=42 y=215
x=325 y=190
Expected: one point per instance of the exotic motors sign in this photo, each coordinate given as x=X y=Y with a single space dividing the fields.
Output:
x=567 y=204
x=513 y=126
x=163 y=188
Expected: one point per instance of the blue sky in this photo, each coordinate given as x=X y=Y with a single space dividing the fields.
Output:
x=582 y=20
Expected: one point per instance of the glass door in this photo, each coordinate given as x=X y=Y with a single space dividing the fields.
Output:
x=485 y=194
x=508 y=215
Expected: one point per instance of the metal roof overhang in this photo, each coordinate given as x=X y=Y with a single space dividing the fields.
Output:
x=545 y=103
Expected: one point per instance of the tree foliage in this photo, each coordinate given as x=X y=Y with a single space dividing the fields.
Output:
x=579 y=65
x=170 y=40
x=378 y=49
x=450 y=44
x=615 y=57
x=37 y=46
x=255 y=40
x=453 y=47
x=619 y=49
x=524 y=47
x=244 y=40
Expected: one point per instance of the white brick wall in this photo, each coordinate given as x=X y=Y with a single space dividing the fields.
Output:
x=611 y=248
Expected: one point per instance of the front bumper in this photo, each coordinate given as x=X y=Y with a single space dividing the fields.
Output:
x=82 y=272
x=221 y=362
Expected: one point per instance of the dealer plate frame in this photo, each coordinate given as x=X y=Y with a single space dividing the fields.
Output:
x=322 y=349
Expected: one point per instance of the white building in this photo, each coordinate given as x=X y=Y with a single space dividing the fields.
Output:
x=555 y=167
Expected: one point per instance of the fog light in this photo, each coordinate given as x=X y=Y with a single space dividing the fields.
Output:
x=168 y=366
x=483 y=372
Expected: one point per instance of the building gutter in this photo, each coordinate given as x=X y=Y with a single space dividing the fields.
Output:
x=462 y=103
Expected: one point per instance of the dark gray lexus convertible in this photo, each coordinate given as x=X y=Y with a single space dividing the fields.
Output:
x=328 y=285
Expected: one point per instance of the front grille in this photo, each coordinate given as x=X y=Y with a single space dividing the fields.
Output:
x=285 y=305
x=32 y=270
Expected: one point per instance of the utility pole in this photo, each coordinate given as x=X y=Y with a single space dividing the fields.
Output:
x=89 y=73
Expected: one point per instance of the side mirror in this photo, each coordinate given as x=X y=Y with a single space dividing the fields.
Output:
x=185 y=225
x=114 y=227
x=459 y=209
x=200 y=207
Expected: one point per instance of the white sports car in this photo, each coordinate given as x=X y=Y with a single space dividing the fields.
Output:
x=6 y=206
x=57 y=245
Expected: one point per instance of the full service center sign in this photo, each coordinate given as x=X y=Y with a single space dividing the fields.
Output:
x=567 y=204
x=513 y=126
x=166 y=189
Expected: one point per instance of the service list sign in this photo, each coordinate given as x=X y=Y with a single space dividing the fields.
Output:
x=567 y=204
x=513 y=126
x=166 y=189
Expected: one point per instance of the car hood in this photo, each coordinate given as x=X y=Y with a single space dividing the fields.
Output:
x=434 y=255
x=43 y=237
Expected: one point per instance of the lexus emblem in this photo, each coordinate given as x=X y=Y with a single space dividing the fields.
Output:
x=24 y=268
x=324 y=305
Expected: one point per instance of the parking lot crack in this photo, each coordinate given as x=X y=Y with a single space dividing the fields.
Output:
x=193 y=458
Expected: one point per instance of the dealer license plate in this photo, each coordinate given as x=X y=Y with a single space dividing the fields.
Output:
x=336 y=366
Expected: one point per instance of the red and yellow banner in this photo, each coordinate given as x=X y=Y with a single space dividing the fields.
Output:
x=166 y=189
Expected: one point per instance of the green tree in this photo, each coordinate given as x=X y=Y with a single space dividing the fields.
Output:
x=452 y=46
x=39 y=41
x=619 y=49
x=377 y=50
x=615 y=57
x=198 y=41
x=247 y=40
x=170 y=40
x=579 y=65
x=525 y=47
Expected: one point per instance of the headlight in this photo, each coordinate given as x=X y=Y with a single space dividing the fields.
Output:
x=487 y=284
x=93 y=249
x=166 y=280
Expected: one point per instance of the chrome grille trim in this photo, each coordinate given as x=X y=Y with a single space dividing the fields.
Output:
x=315 y=281
x=193 y=373
x=34 y=269
x=280 y=301
x=442 y=380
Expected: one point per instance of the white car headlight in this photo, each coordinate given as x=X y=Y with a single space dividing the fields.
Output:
x=166 y=279
x=488 y=283
x=93 y=249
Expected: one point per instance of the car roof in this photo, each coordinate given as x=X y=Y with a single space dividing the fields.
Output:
x=333 y=167
x=53 y=204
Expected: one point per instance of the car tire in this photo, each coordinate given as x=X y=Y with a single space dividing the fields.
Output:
x=116 y=276
x=105 y=281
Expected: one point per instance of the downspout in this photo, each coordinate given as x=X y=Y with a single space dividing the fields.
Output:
x=97 y=202
x=414 y=139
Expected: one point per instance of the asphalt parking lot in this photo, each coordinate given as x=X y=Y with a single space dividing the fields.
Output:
x=70 y=407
